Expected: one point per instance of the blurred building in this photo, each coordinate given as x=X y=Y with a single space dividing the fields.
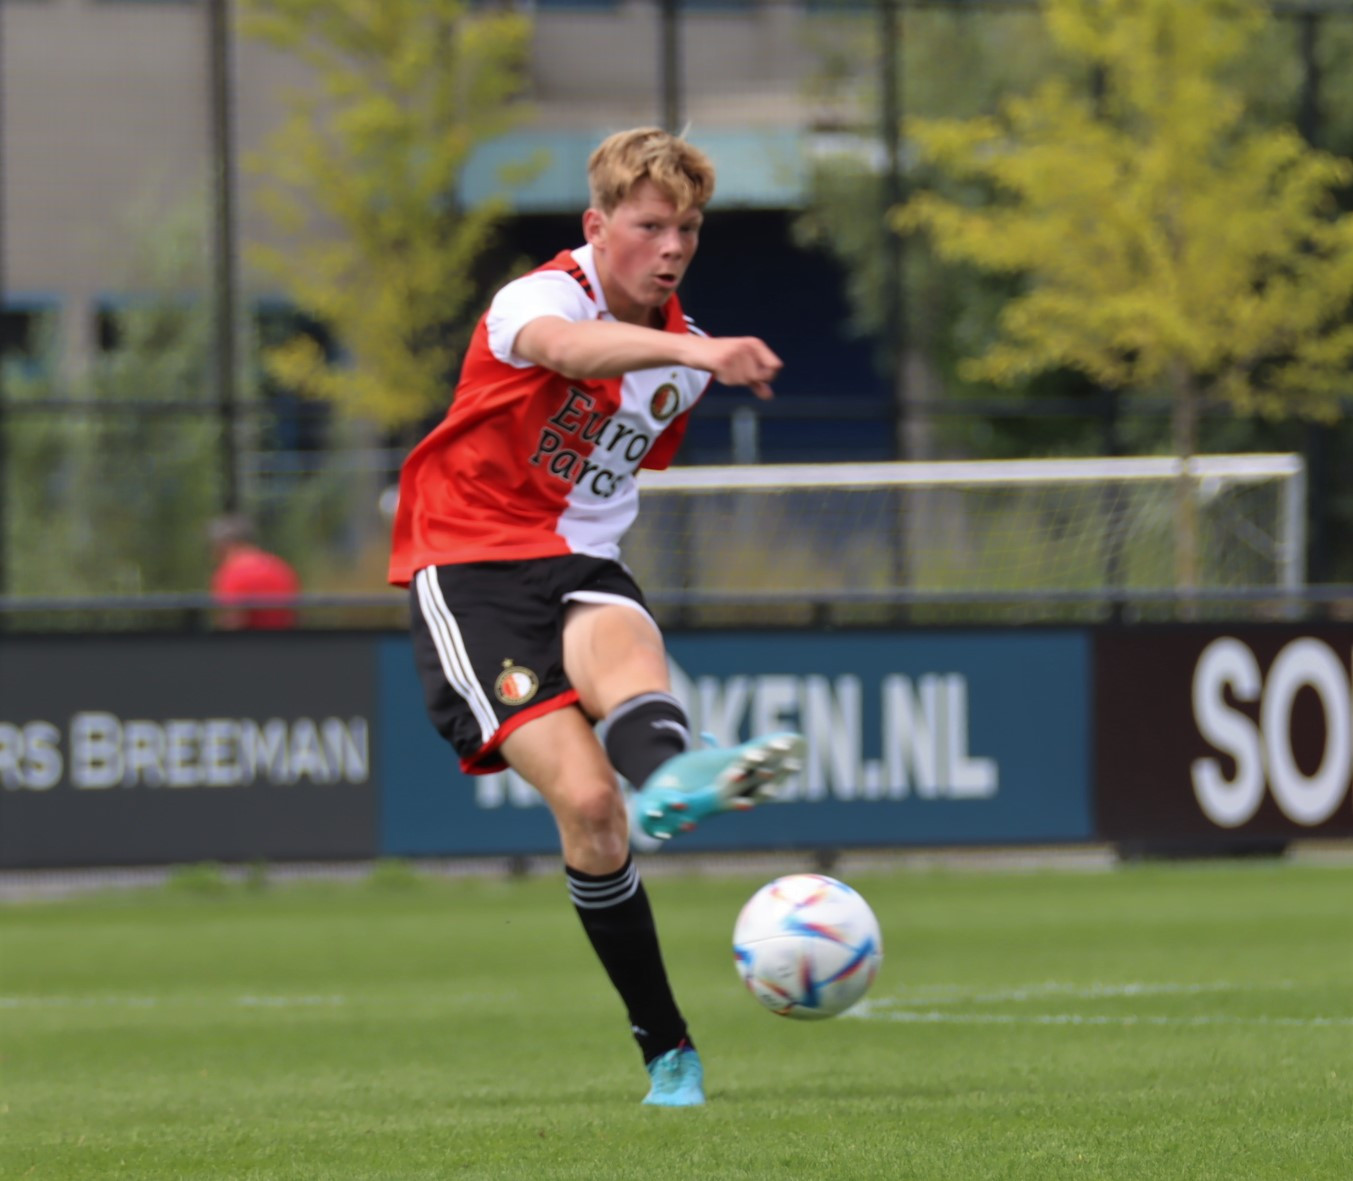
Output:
x=108 y=127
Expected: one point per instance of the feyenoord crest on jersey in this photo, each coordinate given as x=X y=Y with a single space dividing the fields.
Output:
x=666 y=402
x=515 y=685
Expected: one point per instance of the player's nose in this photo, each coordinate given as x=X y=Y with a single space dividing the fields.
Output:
x=672 y=244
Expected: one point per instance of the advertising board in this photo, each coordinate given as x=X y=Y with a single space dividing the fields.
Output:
x=921 y=738
x=1224 y=737
x=123 y=750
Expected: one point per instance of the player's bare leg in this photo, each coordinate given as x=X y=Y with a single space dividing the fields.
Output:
x=613 y=653
x=559 y=753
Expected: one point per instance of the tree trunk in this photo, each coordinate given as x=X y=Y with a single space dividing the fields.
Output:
x=1184 y=429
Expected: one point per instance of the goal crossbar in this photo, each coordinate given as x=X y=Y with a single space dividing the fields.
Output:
x=961 y=473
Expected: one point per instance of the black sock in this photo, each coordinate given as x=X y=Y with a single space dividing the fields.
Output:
x=644 y=732
x=619 y=921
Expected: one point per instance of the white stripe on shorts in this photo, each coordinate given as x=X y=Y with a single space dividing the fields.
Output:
x=586 y=596
x=455 y=661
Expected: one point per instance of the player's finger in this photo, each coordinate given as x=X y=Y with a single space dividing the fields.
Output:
x=761 y=389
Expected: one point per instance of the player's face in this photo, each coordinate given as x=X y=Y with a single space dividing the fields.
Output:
x=642 y=249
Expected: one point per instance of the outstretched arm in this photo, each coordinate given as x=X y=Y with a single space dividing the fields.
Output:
x=607 y=348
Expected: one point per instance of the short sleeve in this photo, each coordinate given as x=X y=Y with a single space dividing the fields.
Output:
x=542 y=293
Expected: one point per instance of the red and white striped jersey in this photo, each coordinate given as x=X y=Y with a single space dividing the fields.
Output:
x=528 y=463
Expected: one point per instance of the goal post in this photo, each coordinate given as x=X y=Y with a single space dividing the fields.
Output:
x=1087 y=531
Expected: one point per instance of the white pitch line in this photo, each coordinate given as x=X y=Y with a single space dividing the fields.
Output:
x=151 y=1002
x=917 y=1007
x=955 y=995
x=934 y=1017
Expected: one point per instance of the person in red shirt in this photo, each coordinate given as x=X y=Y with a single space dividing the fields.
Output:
x=243 y=572
x=527 y=629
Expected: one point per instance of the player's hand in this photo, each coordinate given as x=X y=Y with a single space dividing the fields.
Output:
x=740 y=360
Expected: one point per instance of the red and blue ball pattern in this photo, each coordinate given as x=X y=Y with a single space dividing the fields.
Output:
x=807 y=946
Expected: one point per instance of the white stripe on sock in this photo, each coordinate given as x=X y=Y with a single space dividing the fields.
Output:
x=609 y=892
x=633 y=703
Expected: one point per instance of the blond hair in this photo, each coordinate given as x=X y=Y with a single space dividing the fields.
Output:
x=681 y=172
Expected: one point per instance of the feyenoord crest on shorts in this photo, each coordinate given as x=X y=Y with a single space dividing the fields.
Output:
x=515 y=685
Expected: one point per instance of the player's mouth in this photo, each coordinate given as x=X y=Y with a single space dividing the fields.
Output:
x=667 y=280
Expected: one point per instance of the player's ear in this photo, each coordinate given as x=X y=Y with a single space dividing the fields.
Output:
x=594 y=225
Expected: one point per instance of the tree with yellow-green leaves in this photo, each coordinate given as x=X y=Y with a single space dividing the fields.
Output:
x=1163 y=244
x=361 y=182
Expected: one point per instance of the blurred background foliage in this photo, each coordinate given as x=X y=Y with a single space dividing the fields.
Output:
x=111 y=467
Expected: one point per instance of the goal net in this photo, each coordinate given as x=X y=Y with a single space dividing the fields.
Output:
x=779 y=543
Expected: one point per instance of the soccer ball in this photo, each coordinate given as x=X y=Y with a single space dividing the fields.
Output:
x=807 y=946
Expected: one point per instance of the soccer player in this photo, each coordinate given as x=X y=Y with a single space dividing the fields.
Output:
x=527 y=629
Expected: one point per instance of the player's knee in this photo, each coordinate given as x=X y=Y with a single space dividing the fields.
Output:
x=595 y=829
x=598 y=810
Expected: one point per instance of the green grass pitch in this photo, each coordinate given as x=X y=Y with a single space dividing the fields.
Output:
x=1153 y=1021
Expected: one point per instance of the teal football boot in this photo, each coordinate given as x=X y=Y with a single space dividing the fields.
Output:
x=678 y=1079
x=700 y=783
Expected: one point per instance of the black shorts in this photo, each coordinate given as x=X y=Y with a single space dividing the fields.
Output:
x=488 y=640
